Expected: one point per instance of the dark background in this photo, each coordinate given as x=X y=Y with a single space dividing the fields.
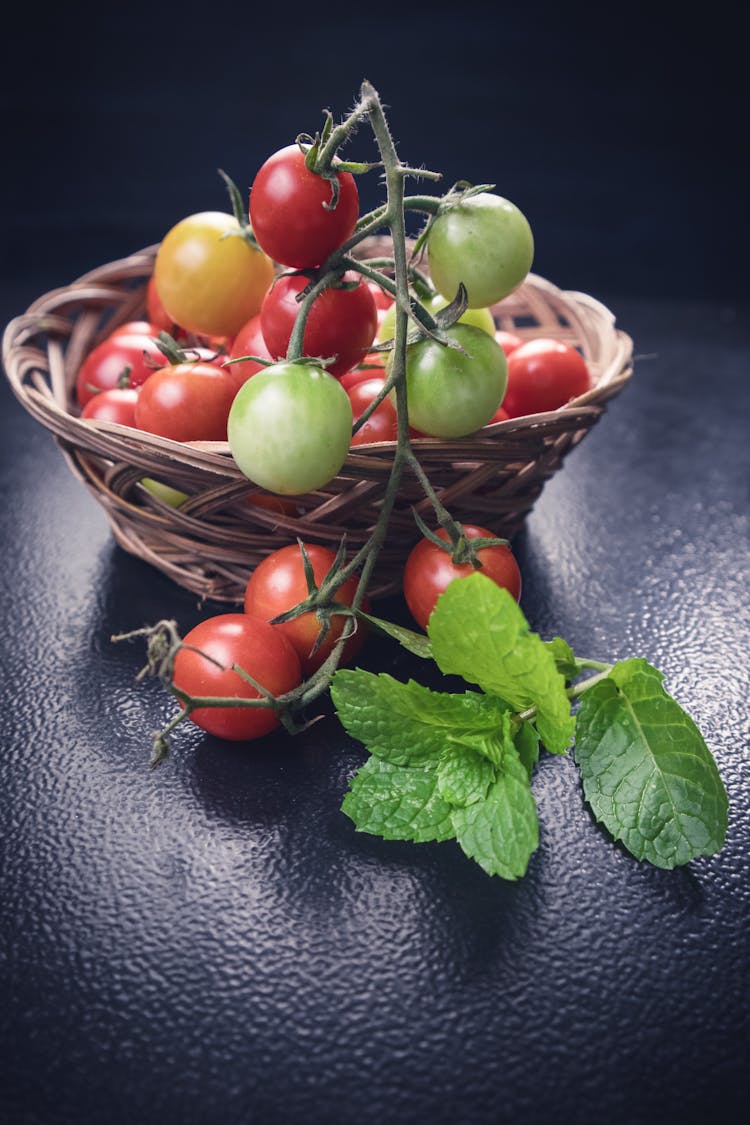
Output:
x=619 y=133
x=214 y=943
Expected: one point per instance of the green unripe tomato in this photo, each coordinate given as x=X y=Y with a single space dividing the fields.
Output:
x=453 y=393
x=172 y=496
x=484 y=242
x=290 y=427
x=480 y=318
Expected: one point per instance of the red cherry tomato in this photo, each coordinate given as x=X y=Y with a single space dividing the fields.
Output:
x=248 y=341
x=429 y=570
x=186 y=402
x=341 y=322
x=382 y=425
x=290 y=210
x=500 y=415
x=117 y=405
x=257 y=648
x=157 y=314
x=508 y=341
x=278 y=583
x=371 y=367
x=383 y=300
x=135 y=328
x=118 y=361
x=543 y=375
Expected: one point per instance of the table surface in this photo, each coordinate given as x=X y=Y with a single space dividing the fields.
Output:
x=212 y=941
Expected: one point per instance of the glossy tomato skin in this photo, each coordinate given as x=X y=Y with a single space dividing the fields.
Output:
x=429 y=570
x=120 y=360
x=186 y=402
x=484 y=242
x=508 y=341
x=453 y=393
x=135 y=328
x=257 y=648
x=341 y=322
x=157 y=314
x=289 y=210
x=290 y=427
x=382 y=425
x=117 y=405
x=543 y=375
x=208 y=278
x=248 y=341
x=278 y=583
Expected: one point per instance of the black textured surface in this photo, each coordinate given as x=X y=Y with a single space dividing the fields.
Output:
x=214 y=943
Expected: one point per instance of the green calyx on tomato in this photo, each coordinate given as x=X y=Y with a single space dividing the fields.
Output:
x=290 y=427
x=482 y=241
x=454 y=391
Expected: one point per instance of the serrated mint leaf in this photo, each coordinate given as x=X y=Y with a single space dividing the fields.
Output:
x=416 y=643
x=565 y=660
x=397 y=803
x=463 y=775
x=477 y=631
x=526 y=742
x=646 y=771
x=406 y=723
x=489 y=743
x=502 y=831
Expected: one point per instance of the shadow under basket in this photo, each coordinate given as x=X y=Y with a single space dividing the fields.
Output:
x=212 y=542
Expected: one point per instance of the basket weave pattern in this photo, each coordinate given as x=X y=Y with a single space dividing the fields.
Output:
x=212 y=542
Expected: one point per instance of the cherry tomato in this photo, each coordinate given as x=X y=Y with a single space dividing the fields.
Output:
x=429 y=570
x=208 y=277
x=341 y=323
x=480 y=318
x=119 y=361
x=371 y=367
x=175 y=497
x=135 y=328
x=117 y=405
x=278 y=583
x=383 y=299
x=543 y=375
x=157 y=314
x=500 y=415
x=382 y=425
x=186 y=402
x=508 y=341
x=256 y=647
x=248 y=341
x=290 y=427
x=290 y=210
x=484 y=242
x=453 y=393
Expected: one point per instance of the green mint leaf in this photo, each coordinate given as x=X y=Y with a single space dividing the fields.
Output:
x=526 y=742
x=406 y=724
x=565 y=660
x=416 y=643
x=502 y=831
x=463 y=775
x=646 y=770
x=489 y=743
x=397 y=803
x=477 y=631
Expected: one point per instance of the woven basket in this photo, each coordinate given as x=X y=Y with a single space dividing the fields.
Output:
x=212 y=542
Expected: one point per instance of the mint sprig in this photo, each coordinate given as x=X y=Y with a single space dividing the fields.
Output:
x=460 y=765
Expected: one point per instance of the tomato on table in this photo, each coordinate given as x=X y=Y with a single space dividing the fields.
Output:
x=342 y=321
x=429 y=570
x=278 y=583
x=290 y=427
x=292 y=212
x=543 y=375
x=122 y=360
x=186 y=402
x=256 y=647
x=208 y=277
x=484 y=242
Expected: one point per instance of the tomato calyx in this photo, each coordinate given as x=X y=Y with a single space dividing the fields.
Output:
x=123 y=382
x=320 y=599
x=459 y=546
x=459 y=193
